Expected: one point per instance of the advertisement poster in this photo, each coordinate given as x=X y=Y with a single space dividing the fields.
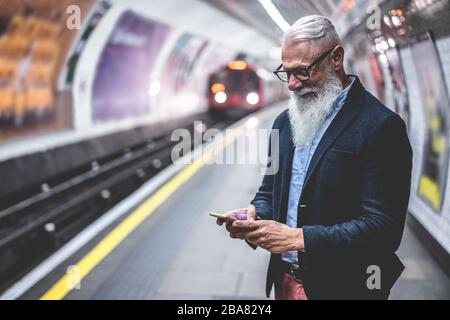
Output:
x=122 y=79
x=436 y=107
x=34 y=41
x=400 y=91
x=181 y=85
x=365 y=65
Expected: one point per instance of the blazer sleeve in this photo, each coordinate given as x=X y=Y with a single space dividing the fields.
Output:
x=385 y=194
x=263 y=198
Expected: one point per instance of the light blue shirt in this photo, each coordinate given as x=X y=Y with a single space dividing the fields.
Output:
x=301 y=158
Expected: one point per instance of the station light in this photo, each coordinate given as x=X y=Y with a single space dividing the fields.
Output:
x=275 y=14
x=252 y=98
x=347 y=5
x=384 y=60
x=154 y=89
x=396 y=21
x=391 y=42
x=220 y=97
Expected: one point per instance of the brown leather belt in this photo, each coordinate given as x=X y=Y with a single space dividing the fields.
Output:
x=294 y=269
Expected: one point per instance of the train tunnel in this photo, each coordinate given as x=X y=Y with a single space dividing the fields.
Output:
x=224 y=150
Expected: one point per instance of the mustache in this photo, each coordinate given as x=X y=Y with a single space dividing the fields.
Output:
x=302 y=91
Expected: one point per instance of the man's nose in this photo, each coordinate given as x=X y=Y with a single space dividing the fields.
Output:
x=294 y=83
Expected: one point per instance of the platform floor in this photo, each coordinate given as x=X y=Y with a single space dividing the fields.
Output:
x=180 y=253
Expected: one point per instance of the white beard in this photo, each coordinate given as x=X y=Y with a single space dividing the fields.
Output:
x=307 y=114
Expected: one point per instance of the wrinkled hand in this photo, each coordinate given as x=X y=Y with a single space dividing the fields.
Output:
x=250 y=211
x=268 y=234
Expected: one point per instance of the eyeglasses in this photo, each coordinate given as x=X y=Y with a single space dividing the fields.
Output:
x=301 y=74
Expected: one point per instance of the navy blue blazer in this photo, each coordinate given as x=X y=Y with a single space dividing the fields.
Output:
x=354 y=200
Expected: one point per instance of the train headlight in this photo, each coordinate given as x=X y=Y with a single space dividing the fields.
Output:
x=220 y=97
x=252 y=98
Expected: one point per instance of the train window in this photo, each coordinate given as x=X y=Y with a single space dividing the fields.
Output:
x=253 y=82
x=221 y=77
x=235 y=80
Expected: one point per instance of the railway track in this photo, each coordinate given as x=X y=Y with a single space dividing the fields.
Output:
x=35 y=227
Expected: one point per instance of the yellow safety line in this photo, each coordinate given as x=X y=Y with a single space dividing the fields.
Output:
x=61 y=288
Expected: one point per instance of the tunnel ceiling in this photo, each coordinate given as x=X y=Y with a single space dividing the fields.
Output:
x=252 y=13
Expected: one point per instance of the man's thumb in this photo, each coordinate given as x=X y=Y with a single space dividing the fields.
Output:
x=251 y=213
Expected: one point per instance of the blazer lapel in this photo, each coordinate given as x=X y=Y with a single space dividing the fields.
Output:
x=344 y=117
x=286 y=156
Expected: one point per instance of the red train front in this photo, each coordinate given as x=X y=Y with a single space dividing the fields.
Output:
x=236 y=89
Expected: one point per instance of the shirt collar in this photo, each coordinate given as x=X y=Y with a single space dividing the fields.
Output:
x=339 y=102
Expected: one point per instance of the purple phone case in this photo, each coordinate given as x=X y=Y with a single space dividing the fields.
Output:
x=241 y=216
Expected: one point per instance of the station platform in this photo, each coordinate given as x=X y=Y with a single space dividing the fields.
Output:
x=178 y=252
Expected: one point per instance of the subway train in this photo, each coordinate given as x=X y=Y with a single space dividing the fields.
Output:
x=241 y=87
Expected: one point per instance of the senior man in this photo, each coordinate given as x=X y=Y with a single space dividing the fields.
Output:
x=333 y=215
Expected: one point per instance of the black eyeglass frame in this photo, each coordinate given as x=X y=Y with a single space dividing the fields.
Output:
x=306 y=70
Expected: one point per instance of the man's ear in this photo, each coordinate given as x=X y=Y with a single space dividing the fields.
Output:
x=338 y=57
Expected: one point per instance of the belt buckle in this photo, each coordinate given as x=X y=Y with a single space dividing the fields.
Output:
x=295 y=267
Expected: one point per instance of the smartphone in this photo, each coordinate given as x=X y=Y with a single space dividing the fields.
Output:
x=239 y=216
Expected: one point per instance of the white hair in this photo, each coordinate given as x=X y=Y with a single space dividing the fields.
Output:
x=313 y=27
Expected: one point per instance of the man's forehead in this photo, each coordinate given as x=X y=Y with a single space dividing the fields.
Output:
x=299 y=53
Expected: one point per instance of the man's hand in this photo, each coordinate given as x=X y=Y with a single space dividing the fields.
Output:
x=250 y=211
x=268 y=234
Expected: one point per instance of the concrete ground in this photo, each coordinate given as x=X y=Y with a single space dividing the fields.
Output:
x=180 y=253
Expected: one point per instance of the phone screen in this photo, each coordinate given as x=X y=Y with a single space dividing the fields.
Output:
x=238 y=216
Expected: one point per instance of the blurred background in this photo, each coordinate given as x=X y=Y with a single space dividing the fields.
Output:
x=90 y=92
